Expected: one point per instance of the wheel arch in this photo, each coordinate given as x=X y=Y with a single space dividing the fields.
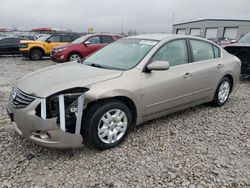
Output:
x=73 y=52
x=38 y=48
x=124 y=99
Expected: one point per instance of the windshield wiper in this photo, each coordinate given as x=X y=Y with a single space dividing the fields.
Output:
x=101 y=66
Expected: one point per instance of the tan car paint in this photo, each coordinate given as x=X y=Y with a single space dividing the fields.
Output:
x=154 y=94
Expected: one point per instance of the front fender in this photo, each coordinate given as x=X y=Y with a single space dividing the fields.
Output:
x=118 y=87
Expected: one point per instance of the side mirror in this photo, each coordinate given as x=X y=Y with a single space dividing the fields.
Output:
x=158 y=66
x=87 y=43
x=48 y=41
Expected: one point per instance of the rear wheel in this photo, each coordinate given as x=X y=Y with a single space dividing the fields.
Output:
x=106 y=124
x=222 y=92
x=74 y=57
x=36 y=54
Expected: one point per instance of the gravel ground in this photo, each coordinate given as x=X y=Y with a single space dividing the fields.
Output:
x=198 y=147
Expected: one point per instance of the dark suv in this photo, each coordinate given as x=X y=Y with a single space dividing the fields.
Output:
x=9 y=45
x=241 y=49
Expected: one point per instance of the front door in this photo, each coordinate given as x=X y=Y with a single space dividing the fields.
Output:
x=170 y=89
x=91 y=45
x=53 y=41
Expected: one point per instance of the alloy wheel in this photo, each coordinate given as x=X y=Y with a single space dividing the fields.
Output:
x=74 y=57
x=224 y=91
x=112 y=126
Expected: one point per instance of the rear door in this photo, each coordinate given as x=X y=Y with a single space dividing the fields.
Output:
x=170 y=89
x=206 y=69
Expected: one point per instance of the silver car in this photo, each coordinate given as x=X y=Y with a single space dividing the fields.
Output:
x=128 y=82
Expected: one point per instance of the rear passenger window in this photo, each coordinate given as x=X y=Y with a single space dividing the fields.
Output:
x=107 y=39
x=65 y=38
x=216 y=52
x=202 y=50
x=55 y=38
x=174 y=52
x=5 y=41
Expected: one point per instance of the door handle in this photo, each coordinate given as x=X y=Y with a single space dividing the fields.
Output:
x=220 y=66
x=187 y=75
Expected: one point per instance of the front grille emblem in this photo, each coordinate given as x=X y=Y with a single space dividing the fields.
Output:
x=20 y=99
x=13 y=95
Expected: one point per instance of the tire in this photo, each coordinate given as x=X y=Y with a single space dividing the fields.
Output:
x=36 y=54
x=74 y=57
x=101 y=134
x=222 y=92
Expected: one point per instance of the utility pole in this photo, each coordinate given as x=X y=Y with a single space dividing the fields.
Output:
x=122 y=25
x=173 y=20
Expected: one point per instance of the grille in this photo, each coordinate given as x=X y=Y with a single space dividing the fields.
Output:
x=20 y=99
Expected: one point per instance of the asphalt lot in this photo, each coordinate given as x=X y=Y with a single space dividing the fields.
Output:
x=198 y=147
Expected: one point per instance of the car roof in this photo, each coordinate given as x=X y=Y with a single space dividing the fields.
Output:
x=160 y=37
x=102 y=34
x=10 y=38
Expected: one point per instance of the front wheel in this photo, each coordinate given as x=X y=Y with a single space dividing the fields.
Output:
x=222 y=92
x=74 y=57
x=36 y=54
x=106 y=124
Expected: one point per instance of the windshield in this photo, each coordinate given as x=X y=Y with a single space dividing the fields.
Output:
x=123 y=54
x=80 y=40
x=43 y=38
x=245 y=39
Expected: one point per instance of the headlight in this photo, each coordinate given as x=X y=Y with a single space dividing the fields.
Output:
x=70 y=97
x=61 y=49
x=70 y=101
x=66 y=106
x=70 y=104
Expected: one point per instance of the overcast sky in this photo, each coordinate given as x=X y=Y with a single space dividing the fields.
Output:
x=106 y=15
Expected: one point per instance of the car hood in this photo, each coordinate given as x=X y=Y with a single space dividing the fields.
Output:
x=48 y=81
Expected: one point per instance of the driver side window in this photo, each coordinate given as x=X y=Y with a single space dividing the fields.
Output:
x=94 y=40
x=175 y=52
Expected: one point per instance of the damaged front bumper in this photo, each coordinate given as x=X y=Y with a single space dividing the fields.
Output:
x=38 y=128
